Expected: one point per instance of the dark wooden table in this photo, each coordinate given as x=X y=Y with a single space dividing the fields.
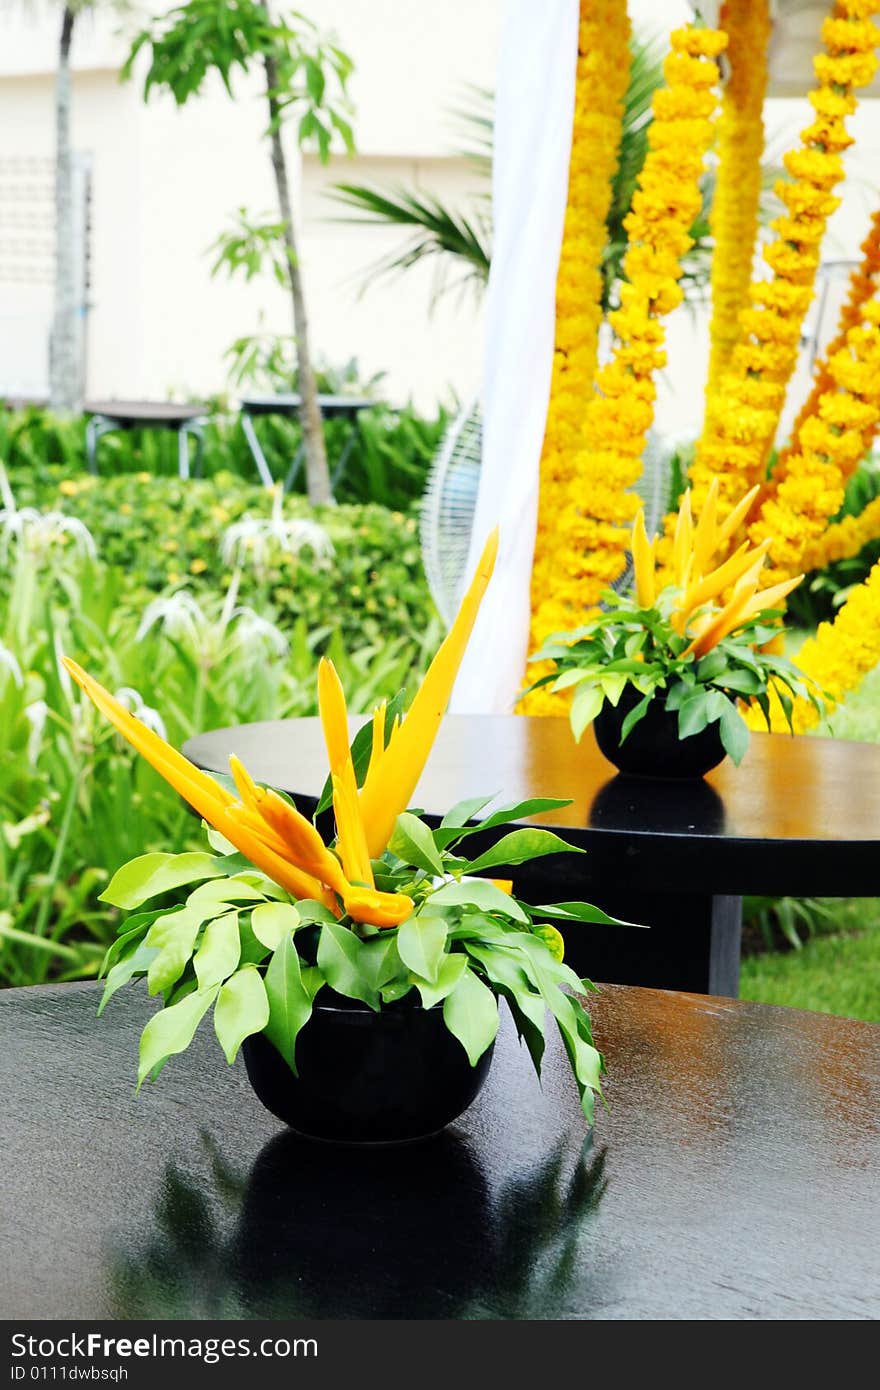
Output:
x=800 y=816
x=185 y=420
x=735 y=1176
x=333 y=407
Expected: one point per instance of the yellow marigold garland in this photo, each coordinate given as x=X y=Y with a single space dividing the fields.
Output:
x=862 y=285
x=591 y=534
x=741 y=419
x=734 y=216
x=839 y=656
x=845 y=538
x=829 y=446
x=600 y=88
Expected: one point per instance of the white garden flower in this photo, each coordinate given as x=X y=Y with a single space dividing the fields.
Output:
x=9 y=664
x=256 y=540
x=39 y=533
x=134 y=701
x=179 y=614
x=36 y=714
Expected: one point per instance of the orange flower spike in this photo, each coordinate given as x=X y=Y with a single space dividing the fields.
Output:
x=303 y=842
x=350 y=838
x=387 y=791
x=706 y=533
x=769 y=598
x=378 y=747
x=378 y=909
x=334 y=715
x=159 y=754
x=244 y=783
x=643 y=562
x=682 y=546
x=207 y=798
x=725 y=621
x=728 y=528
x=704 y=590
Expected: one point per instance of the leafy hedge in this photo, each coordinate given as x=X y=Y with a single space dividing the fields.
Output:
x=163 y=532
x=387 y=462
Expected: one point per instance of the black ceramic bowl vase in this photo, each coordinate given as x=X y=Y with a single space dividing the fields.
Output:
x=653 y=748
x=367 y=1078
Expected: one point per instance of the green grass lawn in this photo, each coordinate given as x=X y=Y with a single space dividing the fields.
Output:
x=837 y=972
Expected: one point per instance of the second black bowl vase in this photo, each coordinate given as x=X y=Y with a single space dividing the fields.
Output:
x=365 y=1077
x=653 y=748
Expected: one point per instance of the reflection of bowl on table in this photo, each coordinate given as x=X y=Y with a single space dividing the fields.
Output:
x=656 y=805
x=323 y=1229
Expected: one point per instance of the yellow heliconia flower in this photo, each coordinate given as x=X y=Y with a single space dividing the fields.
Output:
x=643 y=561
x=271 y=833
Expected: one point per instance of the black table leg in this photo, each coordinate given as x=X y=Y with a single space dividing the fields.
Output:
x=689 y=941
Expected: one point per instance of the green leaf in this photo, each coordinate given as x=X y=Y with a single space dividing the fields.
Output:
x=463 y=811
x=136 y=964
x=174 y=934
x=171 y=1030
x=694 y=714
x=381 y=960
x=413 y=842
x=520 y=846
x=271 y=921
x=133 y=929
x=311 y=911
x=734 y=733
x=637 y=713
x=220 y=951
x=421 y=941
x=477 y=892
x=584 y=707
x=242 y=1008
x=151 y=874
x=580 y=912
x=448 y=975
x=339 y=957
x=576 y=675
x=711 y=666
x=470 y=1013
x=290 y=1000
x=614 y=683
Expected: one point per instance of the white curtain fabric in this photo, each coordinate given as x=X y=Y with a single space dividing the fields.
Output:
x=534 y=113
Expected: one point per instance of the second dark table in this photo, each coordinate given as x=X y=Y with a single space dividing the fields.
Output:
x=800 y=816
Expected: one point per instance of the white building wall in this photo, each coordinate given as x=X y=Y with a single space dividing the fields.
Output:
x=167 y=182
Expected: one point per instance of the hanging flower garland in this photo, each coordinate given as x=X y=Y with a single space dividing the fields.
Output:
x=862 y=285
x=591 y=532
x=741 y=419
x=829 y=447
x=840 y=655
x=845 y=538
x=734 y=216
x=600 y=88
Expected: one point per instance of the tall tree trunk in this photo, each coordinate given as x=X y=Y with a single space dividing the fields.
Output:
x=65 y=386
x=317 y=472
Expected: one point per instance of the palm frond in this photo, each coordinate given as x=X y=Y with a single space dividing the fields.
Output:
x=437 y=230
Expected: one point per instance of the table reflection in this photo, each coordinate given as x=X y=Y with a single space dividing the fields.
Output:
x=649 y=804
x=325 y=1231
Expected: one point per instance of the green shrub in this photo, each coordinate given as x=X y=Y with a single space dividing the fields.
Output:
x=387 y=462
x=196 y=641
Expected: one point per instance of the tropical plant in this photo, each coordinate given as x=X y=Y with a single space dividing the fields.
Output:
x=699 y=639
x=305 y=75
x=390 y=906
